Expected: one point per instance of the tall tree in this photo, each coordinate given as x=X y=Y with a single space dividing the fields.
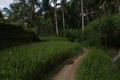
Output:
x=55 y=12
x=118 y=5
x=63 y=3
x=82 y=10
x=108 y=6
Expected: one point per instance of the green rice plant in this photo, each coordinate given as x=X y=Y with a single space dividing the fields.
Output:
x=97 y=66
x=34 y=61
x=53 y=38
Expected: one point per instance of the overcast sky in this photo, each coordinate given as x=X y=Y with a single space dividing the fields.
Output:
x=6 y=3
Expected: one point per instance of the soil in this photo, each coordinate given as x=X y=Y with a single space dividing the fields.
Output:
x=68 y=71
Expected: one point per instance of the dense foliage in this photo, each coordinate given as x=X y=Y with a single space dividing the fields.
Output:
x=32 y=20
x=104 y=31
x=97 y=66
x=35 y=60
x=72 y=34
x=54 y=16
x=10 y=31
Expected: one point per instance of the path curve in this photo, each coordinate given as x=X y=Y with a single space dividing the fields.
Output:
x=67 y=72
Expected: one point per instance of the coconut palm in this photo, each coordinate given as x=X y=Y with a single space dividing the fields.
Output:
x=55 y=12
x=63 y=4
x=118 y=5
x=108 y=6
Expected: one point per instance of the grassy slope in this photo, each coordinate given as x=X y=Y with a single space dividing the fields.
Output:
x=97 y=66
x=34 y=61
x=95 y=22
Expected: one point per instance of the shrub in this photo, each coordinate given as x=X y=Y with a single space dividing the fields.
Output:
x=109 y=33
x=104 y=32
x=118 y=64
x=72 y=34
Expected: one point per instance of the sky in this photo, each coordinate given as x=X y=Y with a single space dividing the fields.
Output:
x=5 y=3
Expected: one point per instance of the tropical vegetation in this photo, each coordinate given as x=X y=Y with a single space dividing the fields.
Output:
x=97 y=66
x=37 y=36
x=35 y=60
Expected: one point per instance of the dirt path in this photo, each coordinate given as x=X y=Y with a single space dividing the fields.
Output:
x=69 y=69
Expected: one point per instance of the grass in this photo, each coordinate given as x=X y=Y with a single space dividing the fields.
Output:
x=35 y=61
x=118 y=64
x=111 y=52
x=53 y=38
x=97 y=66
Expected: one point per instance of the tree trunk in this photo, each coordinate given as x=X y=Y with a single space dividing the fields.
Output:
x=56 y=21
x=63 y=21
x=87 y=15
x=119 y=9
x=82 y=9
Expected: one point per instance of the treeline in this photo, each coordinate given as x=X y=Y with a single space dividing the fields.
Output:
x=63 y=18
x=49 y=17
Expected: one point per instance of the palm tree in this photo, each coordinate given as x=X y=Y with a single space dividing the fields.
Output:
x=63 y=2
x=55 y=12
x=119 y=9
x=118 y=5
x=82 y=10
x=108 y=6
x=13 y=13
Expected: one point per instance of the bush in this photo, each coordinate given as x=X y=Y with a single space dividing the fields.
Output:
x=105 y=32
x=72 y=34
x=109 y=33
x=97 y=66
x=118 y=64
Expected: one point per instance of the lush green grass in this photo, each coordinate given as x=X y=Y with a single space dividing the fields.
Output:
x=111 y=52
x=35 y=61
x=97 y=66
x=53 y=38
x=118 y=64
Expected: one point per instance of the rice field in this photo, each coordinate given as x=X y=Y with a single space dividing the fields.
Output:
x=35 y=61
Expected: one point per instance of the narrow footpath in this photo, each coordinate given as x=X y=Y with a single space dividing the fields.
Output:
x=67 y=72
